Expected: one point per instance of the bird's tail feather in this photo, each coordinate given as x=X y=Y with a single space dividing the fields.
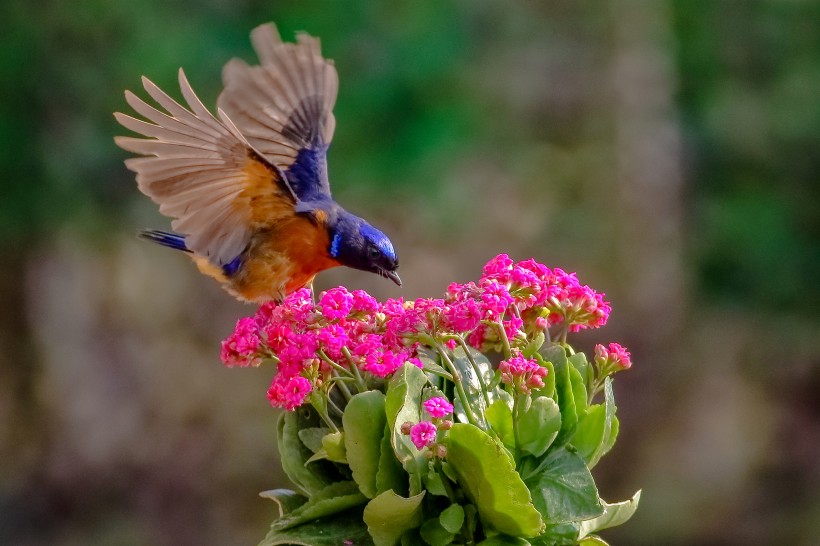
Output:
x=165 y=238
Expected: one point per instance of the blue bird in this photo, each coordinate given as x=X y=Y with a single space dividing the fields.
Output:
x=248 y=189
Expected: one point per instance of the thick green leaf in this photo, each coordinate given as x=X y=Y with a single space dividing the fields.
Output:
x=564 y=534
x=294 y=454
x=487 y=475
x=594 y=434
x=434 y=483
x=579 y=361
x=549 y=381
x=312 y=437
x=452 y=518
x=364 y=421
x=333 y=499
x=391 y=474
x=563 y=489
x=434 y=534
x=500 y=417
x=566 y=402
x=538 y=426
x=504 y=540
x=286 y=500
x=333 y=444
x=614 y=515
x=402 y=404
x=579 y=390
x=388 y=516
x=613 y=434
x=593 y=541
x=343 y=528
x=534 y=345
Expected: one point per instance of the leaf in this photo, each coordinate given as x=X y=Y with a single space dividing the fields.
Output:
x=487 y=475
x=333 y=444
x=388 y=516
x=472 y=385
x=434 y=534
x=563 y=489
x=594 y=434
x=294 y=454
x=364 y=421
x=286 y=500
x=566 y=402
x=538 y=426
x=614 y=515
x=343 y=528
x=390 y=475
x=452 y=518
x=593 y=541
x=499 y=416
x=533 y=346
x=402 y=404
x=579 y=390
x=312 y=437
x=564 y=534
x=434 y=483
x=549 y=380
x=334 y=498
x=504 y=540
x=579 y=362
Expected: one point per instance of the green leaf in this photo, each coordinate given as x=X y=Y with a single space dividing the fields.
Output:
x=342 y=528
x=286 y=500
x=390 y=475
x=334 y=498
x=613 y=434
x=499 y=416
x=533 y=346
x=563 y=489
x=593 y=541
x=402 y=404
x=472 y=385
x=539 y=425
x=388 y=516
x=333 y=444
x=364 y=421
x=434 y=483
x=579 y=362
x=564 y=534
x=294 y=454
x=487 y=475
x=452 y=518
x=566 y=401
x=549 y=381
x=594 y=434
x=434 y=534
x=312 y=437
x=579 y=390
x=504 y=540
x=614 y=515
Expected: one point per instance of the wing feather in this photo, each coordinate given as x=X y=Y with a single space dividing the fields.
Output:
x=202 y=172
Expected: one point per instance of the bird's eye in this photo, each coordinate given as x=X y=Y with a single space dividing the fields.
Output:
x=374 y=252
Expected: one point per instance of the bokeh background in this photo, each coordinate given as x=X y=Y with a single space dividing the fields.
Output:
x=667 y=150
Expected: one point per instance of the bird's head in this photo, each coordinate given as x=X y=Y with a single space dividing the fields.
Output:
x=357 y=244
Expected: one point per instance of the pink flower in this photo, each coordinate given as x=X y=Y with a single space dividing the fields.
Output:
x=499 y=268
x=614 y=358
x=332 y=338
x=423 y=434
x=438 y=407
x=288 y=392
x=364 y=302
x=524 y=374
x=336 y=303
x=462 y=316
x=495 y=299
x=241 y=348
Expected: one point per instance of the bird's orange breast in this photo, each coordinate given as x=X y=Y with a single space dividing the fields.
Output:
x=282 y=260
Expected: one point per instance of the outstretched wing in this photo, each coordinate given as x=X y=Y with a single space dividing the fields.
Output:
x=284 y=107
x=203 y=173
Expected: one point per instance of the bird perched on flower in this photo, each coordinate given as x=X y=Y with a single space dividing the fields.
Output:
x=248 y=189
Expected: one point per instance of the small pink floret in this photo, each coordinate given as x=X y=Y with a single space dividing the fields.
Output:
x=438 y=407
x=423 y=434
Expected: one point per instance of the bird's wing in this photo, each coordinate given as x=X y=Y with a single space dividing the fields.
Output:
x=203 y=173
x=284 y=106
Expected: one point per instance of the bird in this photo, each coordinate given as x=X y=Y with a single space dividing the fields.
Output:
x=247 y=189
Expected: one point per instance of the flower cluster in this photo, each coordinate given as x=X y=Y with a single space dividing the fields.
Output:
x=613 y=358
x=524 y=374
x=347 y=333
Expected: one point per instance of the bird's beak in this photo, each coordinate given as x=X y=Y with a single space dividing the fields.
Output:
x=393 y=276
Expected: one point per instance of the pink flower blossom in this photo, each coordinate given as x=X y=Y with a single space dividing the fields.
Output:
x=524 y=374
x=438 y=407
x=499 y=267
x=336 y=303
x=364 y=302
x=495 y=299
x=288 y=392
x=241 y=348
x=615 y=357
x=423 y=434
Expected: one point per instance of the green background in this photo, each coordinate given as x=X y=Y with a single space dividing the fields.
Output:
x=668 y=151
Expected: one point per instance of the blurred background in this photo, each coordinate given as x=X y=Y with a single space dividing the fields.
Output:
x=667 y=151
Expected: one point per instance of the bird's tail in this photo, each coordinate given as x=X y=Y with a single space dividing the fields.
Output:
x=165 y=238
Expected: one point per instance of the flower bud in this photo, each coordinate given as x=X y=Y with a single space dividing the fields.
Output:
x=405 y=427
x=446 y=424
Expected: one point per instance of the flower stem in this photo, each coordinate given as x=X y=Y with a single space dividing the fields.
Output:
x=459 y=385
x=475 y=368
x=505 y=342
x=333 y=364
x=359 y=381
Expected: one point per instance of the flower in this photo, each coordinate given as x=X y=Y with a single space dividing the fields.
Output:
x=612 y=359
x=423 y=434
x=241 y=348
x=524 y=374
x=288 y=392
x=438 y=407
x=336 y=303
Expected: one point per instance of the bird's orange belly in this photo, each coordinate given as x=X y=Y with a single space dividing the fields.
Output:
x=282 y=261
